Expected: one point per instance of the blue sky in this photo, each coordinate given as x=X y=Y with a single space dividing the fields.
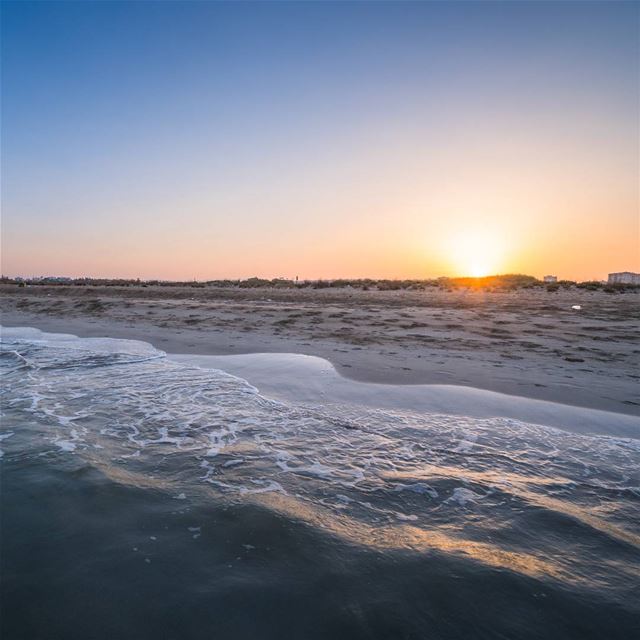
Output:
x=178 y=139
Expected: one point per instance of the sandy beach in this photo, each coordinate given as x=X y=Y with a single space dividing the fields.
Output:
x=529 y=343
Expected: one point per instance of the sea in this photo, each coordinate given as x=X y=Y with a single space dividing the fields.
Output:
x=146 y=498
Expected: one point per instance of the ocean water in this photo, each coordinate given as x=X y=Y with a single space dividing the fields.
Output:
x=145 y=498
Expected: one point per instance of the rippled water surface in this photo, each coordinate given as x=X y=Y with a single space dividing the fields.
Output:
x=142 y=498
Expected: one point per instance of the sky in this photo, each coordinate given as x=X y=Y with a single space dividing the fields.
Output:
x=182 y=140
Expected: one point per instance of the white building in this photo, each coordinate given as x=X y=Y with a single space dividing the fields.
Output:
x=550 y=279
x=624 y=277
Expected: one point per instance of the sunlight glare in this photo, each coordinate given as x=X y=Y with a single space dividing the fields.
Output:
x=476 y=253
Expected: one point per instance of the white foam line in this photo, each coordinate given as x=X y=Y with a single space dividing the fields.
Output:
x=310 y=380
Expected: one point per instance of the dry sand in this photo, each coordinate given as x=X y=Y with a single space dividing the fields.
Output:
x=528 y=343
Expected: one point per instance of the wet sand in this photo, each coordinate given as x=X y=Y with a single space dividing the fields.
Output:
x=528 y=343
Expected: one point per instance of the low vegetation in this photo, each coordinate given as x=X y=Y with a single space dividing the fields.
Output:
x=504 y=282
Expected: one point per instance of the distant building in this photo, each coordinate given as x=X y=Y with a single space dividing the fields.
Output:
x=624 y=277
x=550 y=279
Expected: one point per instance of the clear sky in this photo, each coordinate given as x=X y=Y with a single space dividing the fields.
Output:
x=327 y=139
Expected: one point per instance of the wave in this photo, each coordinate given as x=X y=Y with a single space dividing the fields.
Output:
x=503 y=493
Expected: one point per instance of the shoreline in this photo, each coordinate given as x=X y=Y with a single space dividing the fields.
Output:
x=311 y=381
x=314 y=383
x=352 y=367
x=526 y=343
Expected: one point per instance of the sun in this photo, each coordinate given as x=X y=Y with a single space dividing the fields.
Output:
x=476 y=253
x=479 y=270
